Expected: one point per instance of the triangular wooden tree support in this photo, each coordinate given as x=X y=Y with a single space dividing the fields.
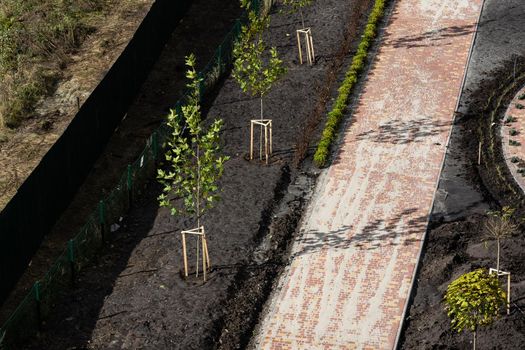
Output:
x=265 y=124
x=309 y=43
x=504 y=273
x=202 y=243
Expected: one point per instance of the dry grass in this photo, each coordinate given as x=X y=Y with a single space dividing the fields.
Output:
x=36 y=37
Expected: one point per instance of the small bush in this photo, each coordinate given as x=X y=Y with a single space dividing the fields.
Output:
x=513 y=132
x=514 y=143
x=521 y=97
x=515 y=159
x=519 y=106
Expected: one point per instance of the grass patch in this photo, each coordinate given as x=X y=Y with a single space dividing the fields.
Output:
x=35 y=38
x=358 y=63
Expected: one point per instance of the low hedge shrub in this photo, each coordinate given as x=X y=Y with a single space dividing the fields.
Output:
x=358 y=63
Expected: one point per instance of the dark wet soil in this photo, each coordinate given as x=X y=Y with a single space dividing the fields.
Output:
x=201 y=31
x=133 y=296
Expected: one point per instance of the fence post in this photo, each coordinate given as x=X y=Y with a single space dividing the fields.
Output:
x=201 y=86
x=178 y=109
x=102 y=219
x=2 y=337
x=237 y=30
x=129 y=183
x=154 y=144
x=71 y=258
x=38 y=304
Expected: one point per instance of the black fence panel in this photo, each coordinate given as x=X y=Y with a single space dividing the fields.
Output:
x=44 y=195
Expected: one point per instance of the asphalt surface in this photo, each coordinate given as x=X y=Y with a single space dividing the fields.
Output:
x=500 y=39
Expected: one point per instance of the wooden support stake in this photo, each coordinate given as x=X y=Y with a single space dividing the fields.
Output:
x=251 y=141
x=479 y=154
x=268 y=144
x=312 y=46
x=203 y=258
x=197 y=264
x=309 y=42
x=299 y=47
x=271 y=147
x=200 y=243
x=184 y=254
x=508 y=294
x=207 y=254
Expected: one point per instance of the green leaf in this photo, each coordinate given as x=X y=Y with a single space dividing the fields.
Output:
x=192 y=178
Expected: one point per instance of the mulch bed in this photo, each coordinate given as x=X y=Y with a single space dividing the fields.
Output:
x=133 y=295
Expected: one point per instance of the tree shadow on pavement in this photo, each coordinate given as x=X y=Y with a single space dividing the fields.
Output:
x=431 y=38
x=403 y=132
x=377 y=233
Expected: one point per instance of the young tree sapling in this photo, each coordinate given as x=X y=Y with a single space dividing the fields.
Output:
x=193 y=156
x=473 y=300
x=256 y=68
x=499 y=226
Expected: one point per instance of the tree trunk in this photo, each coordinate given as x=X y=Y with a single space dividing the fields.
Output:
x=474 y=342
x=198 y=186
x=302 y=18
x=262 y=107
x=497 y=257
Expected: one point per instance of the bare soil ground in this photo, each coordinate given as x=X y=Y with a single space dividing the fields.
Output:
x=133 y=295
x=163 y=86
x=455 y=241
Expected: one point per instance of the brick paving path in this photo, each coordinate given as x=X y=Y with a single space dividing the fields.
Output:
x=516 y=150
x=351 y=270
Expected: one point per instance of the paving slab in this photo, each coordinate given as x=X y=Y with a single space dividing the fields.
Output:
x=352 y=266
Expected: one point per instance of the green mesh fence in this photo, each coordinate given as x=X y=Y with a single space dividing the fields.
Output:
x=45 y=294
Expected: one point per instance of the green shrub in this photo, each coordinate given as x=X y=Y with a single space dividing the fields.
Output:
x=519 y=106
x=514 y=143
x=521 y=97
x=473 y=300
x=358 y=63
x=513 y=132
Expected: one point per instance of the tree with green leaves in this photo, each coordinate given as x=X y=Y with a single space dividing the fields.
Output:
x=499 y=226
x=473 y=300
x=193 y=156
x=256 y=68
x=298 y=5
